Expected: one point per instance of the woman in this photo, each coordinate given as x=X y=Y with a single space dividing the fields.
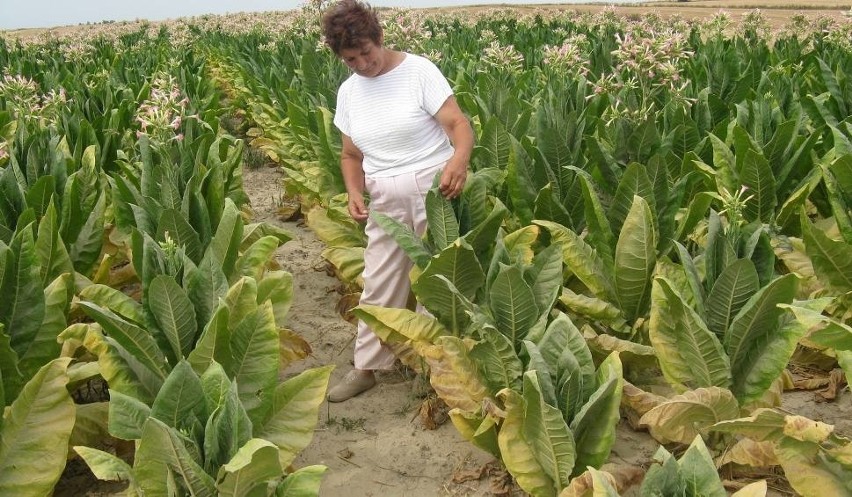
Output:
x=400 y=126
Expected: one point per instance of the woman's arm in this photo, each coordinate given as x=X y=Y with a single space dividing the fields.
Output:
x=351 y=160
x=457 y=127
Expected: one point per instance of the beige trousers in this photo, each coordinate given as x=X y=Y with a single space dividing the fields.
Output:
x=386 y=265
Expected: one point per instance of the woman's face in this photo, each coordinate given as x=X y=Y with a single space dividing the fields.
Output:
x=367 y=61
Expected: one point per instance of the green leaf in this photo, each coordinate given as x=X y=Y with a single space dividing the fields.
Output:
x=178 y=229
x=683 y=417
x=225 y=244
x=548 y=435
x=127 y=416
x=459 y=265
x=581 y=259
x=634 y=183
x=495 y=356
x=115 y=300
x=832 y=260
x=229 y=426
x=253 y=261
x=161 y=448
x=757 y=176
x=699 y=471
x=690 y=355
x=277 y=287
x=35 y=433
x=106 y=466
x=255 y=231
x=635 y=258
x=52 y=255
x=214 y=344
x=173 y=313
x=253 y=466
x=737 y=283
x=545 y=277
x=512 y=303
x=86 y=245
x=205 y=284
x=180 y=399
x=293 y=413
x=134 y=339
x=518 y=453
x=755 y=333
x=443 y=226
x=304 y=482
x=44 y=347
x=600 y=235
x=254 y=345
x=594 y=425
x=477 y=430
x=22 y=305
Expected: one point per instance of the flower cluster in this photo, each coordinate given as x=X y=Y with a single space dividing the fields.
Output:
x=22 y=99
x=161 y=114
x=754 y=26
x=571 y=57
x=503 y=58
x=406 y=30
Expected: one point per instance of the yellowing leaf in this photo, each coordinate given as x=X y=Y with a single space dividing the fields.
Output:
x=748 y=452
x=453 y=374
x=755 y=489
x=683 y=417
x=806 y=430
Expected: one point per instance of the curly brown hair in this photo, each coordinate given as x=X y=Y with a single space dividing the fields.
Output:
x=349 y=24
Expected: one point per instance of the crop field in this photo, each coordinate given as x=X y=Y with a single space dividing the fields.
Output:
x=655 y=241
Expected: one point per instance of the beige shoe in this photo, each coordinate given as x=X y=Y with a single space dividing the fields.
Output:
x=355 y=382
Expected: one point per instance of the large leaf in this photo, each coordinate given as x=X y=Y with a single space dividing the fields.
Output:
x=134 y=339
x=173 y=225
x=304 y=482
x=214 y=344
x=225 y=244
x=292 y=414
x=699 y=471
x=35 y=433
x=22 y=305
x=252 y=467
x=106 y=466
x=594 y=425
x=518 y=453
x=174 y=314
x=229 y=426
x=683 y=417
x=512 y=303
x=635 y=257
x=254 y=347
x=581 y=259
x=756 y=174
x=409 y=324
x=52 y=254
x=254 y=260
x=44 y=346
x=127 y=416
x=737 y=283
x=454 y=374
x=690 y=355
x=832 y=260
x=443 y=226
x=495 y=356
x=459 y=265
x=755 y=334
x=164 y=448
x=547 y=434
x=180 y=399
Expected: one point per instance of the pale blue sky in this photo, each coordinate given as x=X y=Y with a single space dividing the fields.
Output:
x=16 y=14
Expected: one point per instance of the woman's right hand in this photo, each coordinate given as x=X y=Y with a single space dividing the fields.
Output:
x=357 y=208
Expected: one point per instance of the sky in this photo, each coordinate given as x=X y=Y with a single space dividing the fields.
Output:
x=16 y=14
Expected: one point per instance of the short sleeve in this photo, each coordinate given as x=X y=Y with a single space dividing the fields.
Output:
x=341 y=114
x=435 y=87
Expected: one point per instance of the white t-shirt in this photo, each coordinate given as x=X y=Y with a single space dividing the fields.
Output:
x=390 y=117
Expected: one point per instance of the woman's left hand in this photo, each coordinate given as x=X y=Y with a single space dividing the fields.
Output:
x=453 y=179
